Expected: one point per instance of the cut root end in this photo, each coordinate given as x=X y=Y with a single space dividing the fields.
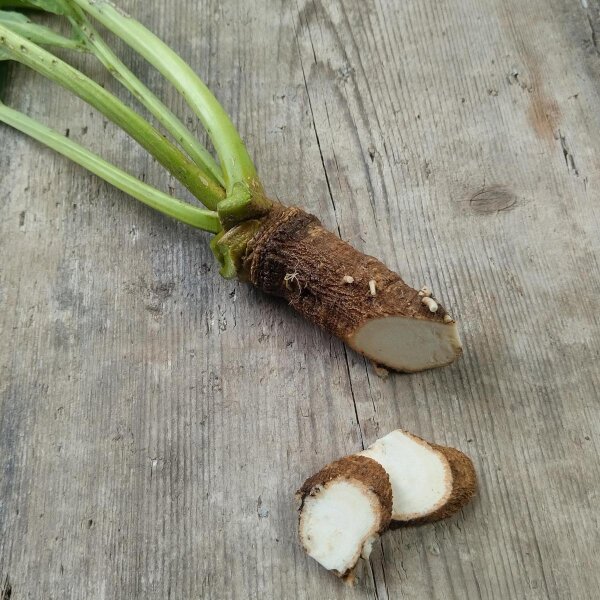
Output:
x=408 y=344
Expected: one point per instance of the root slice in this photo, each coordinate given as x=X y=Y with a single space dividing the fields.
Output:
x=400 y=480
x=343 y=510
x=429 y=482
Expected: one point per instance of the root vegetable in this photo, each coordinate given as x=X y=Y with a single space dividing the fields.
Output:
x=393 y=327
x=281 y=250
x=429 y=482
x=349 y=503
x=343 y=510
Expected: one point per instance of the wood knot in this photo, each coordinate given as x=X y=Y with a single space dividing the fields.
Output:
x=493 y=199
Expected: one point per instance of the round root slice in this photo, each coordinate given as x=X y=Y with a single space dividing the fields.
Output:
x=377 y=314
x=343 y=510
x=429 y=482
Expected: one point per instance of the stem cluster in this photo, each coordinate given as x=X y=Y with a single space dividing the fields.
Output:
x=228 y=187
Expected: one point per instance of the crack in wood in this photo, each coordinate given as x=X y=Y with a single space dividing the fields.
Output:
x=568 y=155
x=6 y=591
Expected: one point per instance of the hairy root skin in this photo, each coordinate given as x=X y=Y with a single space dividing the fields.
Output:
x=342 y=290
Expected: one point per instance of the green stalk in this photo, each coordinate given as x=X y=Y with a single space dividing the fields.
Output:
x=17 y=4
x=182 y=211
x=89 y=40
x=235 y=162
x=38 y=34
x=198 y=153
x=190 y=175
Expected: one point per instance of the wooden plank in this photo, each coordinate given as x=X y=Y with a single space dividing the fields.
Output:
x=155 y=420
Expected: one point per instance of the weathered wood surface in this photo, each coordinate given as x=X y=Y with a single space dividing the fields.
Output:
x=155 y=420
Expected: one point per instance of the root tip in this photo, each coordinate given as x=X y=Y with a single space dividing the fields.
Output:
x=380 y=371
x=430 y=303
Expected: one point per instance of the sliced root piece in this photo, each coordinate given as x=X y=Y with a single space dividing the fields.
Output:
x=429 y=482
x=343 y=510
x=380 y=316
x=464 y=485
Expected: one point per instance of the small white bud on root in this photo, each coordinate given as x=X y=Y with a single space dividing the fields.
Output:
x=430 y=303
x=348 y=279
x=425 y=291
x=373 y=287
x=380 y=371
x=448 y=319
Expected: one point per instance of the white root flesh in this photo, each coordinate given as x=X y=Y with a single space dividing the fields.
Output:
x=343 y=510
x=339 y=524
x=420 y=475
x=407 y=344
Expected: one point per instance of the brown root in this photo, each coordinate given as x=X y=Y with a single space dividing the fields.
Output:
x=377 y=314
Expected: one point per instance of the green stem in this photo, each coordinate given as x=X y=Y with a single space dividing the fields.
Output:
x=233 y=156
x=89 y=40
x=198 y=153
x=190 y=175
x=229 y=247
x=182 y=211
x=38 y=34
x=20 y=4
x=241 y=205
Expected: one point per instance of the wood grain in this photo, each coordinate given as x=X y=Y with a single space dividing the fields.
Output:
x=155 y=420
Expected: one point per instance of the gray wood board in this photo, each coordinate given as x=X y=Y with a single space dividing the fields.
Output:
x=155 y=420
